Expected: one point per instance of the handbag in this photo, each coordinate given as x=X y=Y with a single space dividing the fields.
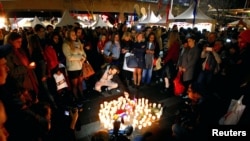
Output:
x=107 y=59
x=87 y=70
x=179 y=88
x=125 y=67
x=234 y=112
x=132 y=61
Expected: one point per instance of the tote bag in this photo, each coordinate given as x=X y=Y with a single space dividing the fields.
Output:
x=125 y=67
x=234 y=112
x=132 y=61
x=87 y=70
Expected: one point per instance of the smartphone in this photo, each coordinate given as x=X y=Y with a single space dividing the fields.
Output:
x=66 y=113
x=228 y=40
x=209 y=49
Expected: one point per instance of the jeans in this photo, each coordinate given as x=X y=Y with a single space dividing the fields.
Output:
x=147 y=75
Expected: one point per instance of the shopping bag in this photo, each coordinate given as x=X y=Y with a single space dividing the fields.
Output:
x=60 y=81
x=132 y=61
x=234 y=112
x=125 y=67
x=87 y=70
x=179 y=88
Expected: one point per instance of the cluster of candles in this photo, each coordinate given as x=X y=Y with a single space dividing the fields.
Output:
x=136 y=112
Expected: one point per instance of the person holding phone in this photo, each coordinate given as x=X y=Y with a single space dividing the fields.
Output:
x=210 y=65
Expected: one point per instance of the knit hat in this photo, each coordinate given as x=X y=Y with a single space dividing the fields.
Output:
x=245 y=35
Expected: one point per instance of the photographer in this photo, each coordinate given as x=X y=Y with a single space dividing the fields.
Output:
x=211 y=63
x=65 y=124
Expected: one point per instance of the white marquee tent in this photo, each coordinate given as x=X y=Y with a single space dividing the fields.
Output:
x=244 y=22
x=22 y=22
x=66 y=19
x=36 y=21
x=185 y=20
x=151 y=18
x=101 y=23
x=188 y=15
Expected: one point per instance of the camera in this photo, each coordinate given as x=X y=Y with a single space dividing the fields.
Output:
x=73 y=109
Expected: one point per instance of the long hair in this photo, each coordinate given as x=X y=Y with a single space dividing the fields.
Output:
x=173 y=37
x=34 y=44
x=113 y=37
x=68 y=39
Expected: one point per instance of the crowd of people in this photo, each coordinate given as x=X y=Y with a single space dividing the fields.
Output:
x=41 y=71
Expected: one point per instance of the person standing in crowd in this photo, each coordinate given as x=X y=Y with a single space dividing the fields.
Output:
x=139 y=50
x=3 y=118
x=101 y=43
x=171 y=58
x=37 y=45
x=100 y=48
x=75 y=56
x=188 y=61
x=4 y=69
x=126 y=45
x=113 y=49
x=56 y=41
x=151 y=46
x=210 y=65
x=21 y=68
x=240 y=72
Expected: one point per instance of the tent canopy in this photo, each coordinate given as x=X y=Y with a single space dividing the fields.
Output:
x=66 y=19
x=101 y=23
x=241 y=22
x=188 y=16
x=35 y=22
x=151 y=18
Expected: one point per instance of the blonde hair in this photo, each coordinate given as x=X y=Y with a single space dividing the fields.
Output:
x=69 y=41
x=126 y=34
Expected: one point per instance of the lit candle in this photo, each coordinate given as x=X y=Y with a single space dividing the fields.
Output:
x=154 y=105
x=32 y=64
x=149 y=123
x=139 y=127
x=153 y=118
x=159 y=106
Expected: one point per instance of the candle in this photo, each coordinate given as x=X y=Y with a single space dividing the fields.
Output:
x=32 y=64
x=159 y=106
x=139 y=127
x=154 y=105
